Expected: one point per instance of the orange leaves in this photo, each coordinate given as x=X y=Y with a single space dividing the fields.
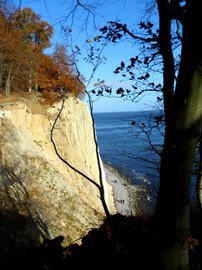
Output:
x=13 y=55
x=56 y=74
x=24 y=66
x=35 y=31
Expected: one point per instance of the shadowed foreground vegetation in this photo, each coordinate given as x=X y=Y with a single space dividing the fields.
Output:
x=120 y=241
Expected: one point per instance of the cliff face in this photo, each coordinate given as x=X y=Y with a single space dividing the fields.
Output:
x=40 y=194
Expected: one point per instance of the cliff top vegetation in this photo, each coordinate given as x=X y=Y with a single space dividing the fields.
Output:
x=36 y=102
x=25 y=67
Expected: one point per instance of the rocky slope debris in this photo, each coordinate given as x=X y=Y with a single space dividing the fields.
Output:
x=40 y=195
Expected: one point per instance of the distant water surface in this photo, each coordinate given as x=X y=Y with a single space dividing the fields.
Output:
x=119 y=144
x=126 y=148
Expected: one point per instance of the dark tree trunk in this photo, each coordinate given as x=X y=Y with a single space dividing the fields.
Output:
x=165 y=45
x=172 y=209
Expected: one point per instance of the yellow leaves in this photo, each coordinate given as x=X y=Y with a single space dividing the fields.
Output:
x=35 y=31
x=22 y=42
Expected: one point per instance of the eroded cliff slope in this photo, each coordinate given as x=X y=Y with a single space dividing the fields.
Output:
x=40 y=194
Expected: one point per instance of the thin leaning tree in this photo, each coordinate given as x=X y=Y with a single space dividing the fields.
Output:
x=83 y=84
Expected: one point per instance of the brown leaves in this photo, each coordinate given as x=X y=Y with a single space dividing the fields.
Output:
x=23 y=65
x=35 y=31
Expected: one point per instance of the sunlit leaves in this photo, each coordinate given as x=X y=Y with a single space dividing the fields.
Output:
x=15 y=58
x=56 y=73
x=35 y=31
x=23 y=65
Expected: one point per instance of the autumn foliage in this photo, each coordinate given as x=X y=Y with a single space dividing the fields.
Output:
x=23 y=64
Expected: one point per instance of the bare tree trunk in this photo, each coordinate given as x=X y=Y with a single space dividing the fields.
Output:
x=172 y=209
x=30 y=83
x=168 y=60
x=30 y=77
x=8 y=82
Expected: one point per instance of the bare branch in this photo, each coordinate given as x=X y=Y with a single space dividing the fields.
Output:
x=88 y=11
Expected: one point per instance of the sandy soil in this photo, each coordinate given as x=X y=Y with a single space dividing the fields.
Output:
x=120 y=190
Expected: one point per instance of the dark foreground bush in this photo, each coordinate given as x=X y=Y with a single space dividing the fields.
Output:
x=121 y=242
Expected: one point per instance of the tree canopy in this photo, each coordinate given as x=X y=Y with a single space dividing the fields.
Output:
x=23 y=64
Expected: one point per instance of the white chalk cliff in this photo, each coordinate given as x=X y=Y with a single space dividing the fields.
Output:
x=39 y=193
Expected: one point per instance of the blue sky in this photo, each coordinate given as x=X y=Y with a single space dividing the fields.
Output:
x=129 y=11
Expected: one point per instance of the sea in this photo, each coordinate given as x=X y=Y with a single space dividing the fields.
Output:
x=131 y=143
x=126 y=141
